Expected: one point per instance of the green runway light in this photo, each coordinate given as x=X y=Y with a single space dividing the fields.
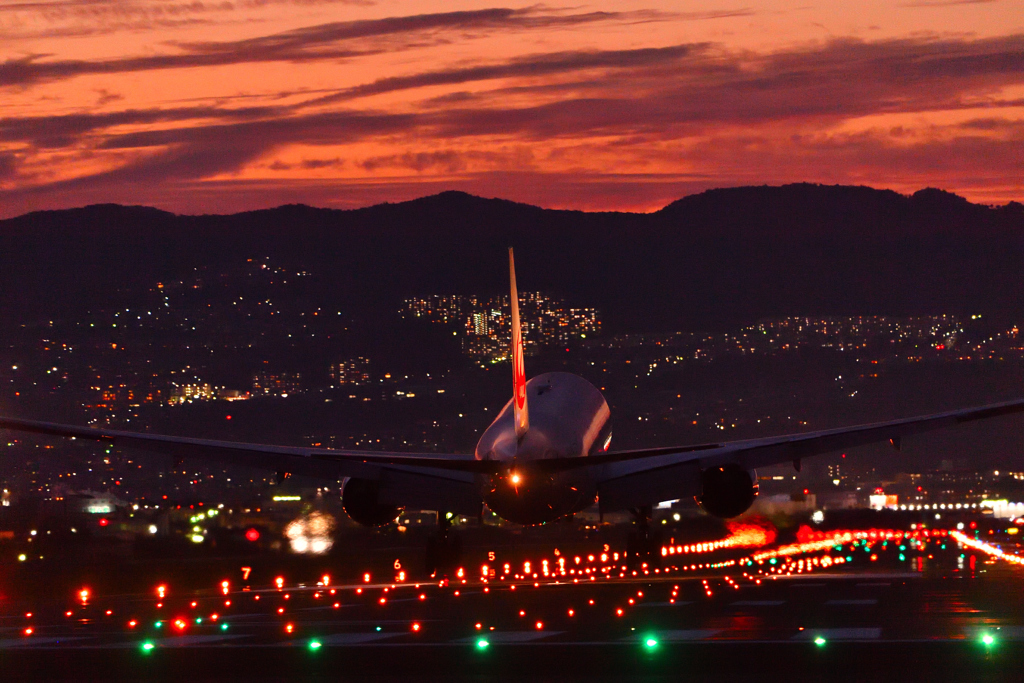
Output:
x=902 y=557
x=987 y=639
x=158 y=624
x=651 y=643
x=199 y=620
x=819 y=641
x=378 y=628
x=223 y=627
x=315 y=645
x=482 y=644
x=147 y=646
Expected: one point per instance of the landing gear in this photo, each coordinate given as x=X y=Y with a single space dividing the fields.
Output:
x=444 y=550
x=644 y=543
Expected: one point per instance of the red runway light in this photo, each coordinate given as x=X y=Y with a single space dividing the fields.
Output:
x=280 y=610
x=416 y=627
x=337 y=605
x=479 y=626
x=289 y=628
x=132 y=623
x=539 y=625
x=28 y=615
x=522 y=613
x=29 y=631
x=252 y=534
x=571 y=613
x=193 y=605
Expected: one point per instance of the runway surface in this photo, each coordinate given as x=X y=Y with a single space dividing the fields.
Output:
x=944 y=609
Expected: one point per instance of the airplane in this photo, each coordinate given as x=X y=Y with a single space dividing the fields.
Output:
x=544 y=457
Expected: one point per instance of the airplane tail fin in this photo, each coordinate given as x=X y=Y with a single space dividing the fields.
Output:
x=522 y=416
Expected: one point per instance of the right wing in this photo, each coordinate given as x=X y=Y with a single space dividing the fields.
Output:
x=632 y=478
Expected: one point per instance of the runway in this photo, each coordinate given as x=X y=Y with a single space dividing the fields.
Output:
x=946 y=607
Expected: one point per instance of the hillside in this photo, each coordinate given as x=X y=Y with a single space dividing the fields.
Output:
x=713 y=259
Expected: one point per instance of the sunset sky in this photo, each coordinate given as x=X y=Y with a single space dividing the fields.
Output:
x=214 y=106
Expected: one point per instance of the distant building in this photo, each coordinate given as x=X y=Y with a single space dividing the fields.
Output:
x=276 y=383
x=352 y=372
x=487 y=324
x=186 y=393
x=480 y=325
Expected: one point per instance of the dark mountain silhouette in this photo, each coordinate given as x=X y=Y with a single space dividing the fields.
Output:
x=717 y=258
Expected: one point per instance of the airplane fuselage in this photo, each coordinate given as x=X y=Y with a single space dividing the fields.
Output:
x=569 y=418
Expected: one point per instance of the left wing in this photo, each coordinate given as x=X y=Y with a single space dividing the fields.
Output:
x=631 y=478
x=429 y=481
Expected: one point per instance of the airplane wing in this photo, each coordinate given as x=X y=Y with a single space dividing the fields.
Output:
x=631 y=478
x=432 y=481
x=428 y=481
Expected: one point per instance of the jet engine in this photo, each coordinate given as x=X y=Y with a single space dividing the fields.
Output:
x=727 y=491
x=359 y=497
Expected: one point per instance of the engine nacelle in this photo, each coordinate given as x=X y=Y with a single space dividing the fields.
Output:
x=726 y=491
x=360 y=500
